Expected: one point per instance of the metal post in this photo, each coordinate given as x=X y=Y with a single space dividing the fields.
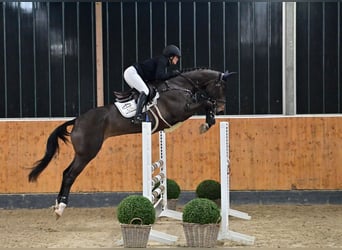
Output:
x=289 y=58
x=99 y=54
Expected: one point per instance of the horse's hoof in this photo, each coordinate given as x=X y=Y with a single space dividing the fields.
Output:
x=59 y=210
x=204 y=128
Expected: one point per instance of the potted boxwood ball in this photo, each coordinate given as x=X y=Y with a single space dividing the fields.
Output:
x=136 y=215
x=201 y=222
x=173 y=192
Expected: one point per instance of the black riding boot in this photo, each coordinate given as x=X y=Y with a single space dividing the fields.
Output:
x=138 y=118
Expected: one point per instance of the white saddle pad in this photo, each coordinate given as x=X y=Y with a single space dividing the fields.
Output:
x=129 y=108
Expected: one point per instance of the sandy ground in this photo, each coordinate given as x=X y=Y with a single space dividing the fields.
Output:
x=273 y=226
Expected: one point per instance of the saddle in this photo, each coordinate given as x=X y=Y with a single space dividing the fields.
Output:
x=134 y=94
x=126 y=101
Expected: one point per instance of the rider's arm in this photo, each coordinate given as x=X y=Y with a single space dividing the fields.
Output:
x=161 y=73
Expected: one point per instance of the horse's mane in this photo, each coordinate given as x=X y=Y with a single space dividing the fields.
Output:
x=186 y=70
x=194 y=69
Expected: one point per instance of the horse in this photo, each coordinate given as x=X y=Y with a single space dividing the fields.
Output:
x=180 y=97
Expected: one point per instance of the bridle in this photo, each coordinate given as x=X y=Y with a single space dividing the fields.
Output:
x=200 y=95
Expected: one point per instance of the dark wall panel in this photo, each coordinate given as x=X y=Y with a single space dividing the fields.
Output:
x=112 y=49
x=42 y=55
x=144 y=31
x=48 y=57
x=57 y=50
x=275 y=58
x=216 y=36
x=71 y=58
x=129 y=34
x=86 y=57
x=12 y=60
x=40 y=62
x=246 y=72
x=261 y=61
x=339 y=53
x=27 y=60
x=2 y=65
x=302 y=60
x=172 y=21
x=232 y=38
x=331 y=43
x=318 y=57
x=187 y=34
x=158 y=27
x=202 y=35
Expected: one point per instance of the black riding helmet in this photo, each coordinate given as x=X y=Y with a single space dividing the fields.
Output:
x=172 y=50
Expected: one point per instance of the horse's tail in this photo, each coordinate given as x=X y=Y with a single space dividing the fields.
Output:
x=51 y=149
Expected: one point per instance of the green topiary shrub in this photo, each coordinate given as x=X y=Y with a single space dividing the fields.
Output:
x=201 y=211
x=209 y=189
x=136 y=206
x=173 y=189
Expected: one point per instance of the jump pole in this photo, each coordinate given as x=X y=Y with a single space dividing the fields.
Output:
x=149 y=182
x=226 y=211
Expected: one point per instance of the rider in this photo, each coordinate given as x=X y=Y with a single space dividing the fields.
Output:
x=152 y=69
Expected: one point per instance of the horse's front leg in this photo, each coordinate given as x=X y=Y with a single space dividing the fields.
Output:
x=209 y=117
x=209 y=121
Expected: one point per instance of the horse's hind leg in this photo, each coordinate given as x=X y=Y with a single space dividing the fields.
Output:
x=69 y=176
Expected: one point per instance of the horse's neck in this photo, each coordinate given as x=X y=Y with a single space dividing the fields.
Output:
x=181 y=82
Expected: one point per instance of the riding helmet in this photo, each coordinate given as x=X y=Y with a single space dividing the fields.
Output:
x=171 y=50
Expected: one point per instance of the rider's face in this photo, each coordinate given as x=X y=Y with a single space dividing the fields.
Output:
x=174 y=60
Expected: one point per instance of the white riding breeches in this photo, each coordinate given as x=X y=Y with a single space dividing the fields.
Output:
x=134 y=80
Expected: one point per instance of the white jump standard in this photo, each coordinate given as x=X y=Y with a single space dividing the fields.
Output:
x=226 y=211
x=157 y=196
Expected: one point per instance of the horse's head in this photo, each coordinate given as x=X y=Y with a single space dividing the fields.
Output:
x=209 y=87
x=212 y=83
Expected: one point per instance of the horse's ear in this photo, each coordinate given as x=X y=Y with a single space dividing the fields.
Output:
x=225 y=75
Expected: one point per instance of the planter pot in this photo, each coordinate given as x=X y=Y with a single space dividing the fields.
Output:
x=135 y=235
x=198 y=235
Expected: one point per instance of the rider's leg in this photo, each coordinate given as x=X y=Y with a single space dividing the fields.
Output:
x=138 y=118
x=134 y=80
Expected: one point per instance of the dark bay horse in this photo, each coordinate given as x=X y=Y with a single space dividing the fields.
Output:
x=180 y=98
